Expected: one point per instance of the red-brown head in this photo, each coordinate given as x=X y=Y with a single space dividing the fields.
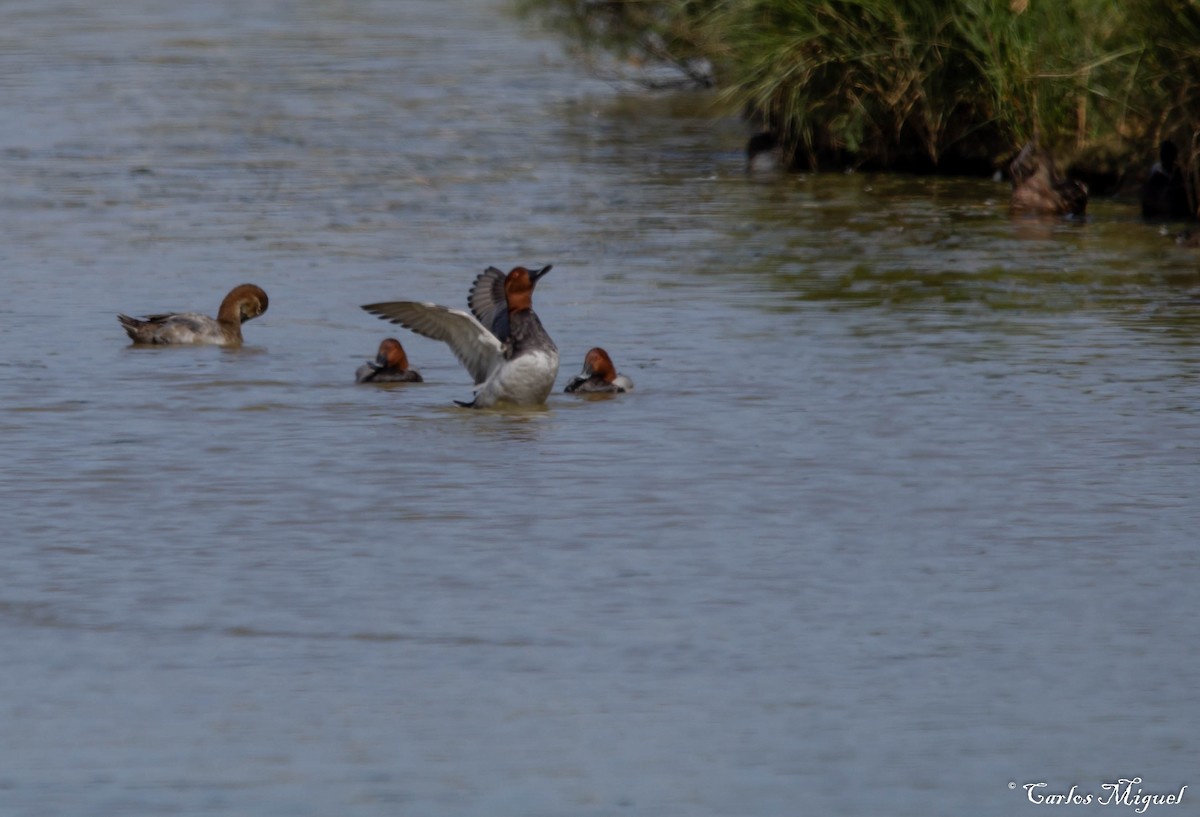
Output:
x=518 y=287
x=391 y=355
x=243 y=303
x=597 y=362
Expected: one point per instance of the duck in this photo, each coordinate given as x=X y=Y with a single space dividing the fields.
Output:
x=500 y=342
x=390 y=366
x=1188 y=238
x=764 y=154
x=1164 y=194
x=1039 y=190
x=243 y=303
x=599 y=376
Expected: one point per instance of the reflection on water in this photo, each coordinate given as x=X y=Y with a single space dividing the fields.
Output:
x=900 y=511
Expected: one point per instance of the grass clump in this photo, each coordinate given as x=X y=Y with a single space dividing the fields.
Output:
x=1169 y=77
x=947 y=85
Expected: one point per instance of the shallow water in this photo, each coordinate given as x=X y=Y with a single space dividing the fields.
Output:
x=901 y=511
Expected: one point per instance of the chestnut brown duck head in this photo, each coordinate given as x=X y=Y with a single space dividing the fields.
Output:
x=243 y=303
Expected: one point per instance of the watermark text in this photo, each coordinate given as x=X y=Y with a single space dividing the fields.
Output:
x=1126 y=791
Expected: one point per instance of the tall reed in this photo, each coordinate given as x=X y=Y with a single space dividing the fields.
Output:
x=927 y=84
x=1169 y=76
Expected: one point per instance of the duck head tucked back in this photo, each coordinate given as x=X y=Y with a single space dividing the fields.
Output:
x=243 y=303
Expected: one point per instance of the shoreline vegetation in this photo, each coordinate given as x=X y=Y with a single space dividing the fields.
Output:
x=952 y=87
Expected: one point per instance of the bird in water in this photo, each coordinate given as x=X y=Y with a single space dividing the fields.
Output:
x=390 y=366
x=1164 y=193
x=1039 y=190
x=243 y=303
x=501 y=342
x=599 y=376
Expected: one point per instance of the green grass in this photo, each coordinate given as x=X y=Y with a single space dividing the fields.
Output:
x=940 y=85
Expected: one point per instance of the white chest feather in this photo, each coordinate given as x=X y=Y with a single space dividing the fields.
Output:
x=524 y=381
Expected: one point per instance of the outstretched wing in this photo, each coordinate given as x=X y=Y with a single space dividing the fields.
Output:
x=477 y=349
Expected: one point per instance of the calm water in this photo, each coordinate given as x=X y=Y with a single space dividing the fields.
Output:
x=903 y=508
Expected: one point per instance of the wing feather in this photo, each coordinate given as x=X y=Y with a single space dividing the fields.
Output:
x=488 y=302
x=477 y=349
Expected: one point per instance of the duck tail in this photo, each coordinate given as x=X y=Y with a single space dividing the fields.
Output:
x=130 y=325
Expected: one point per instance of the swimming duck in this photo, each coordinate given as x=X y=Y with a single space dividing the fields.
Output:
x=764 y=154
x=1038 y=189
x=243 y=303
x=1164 y=194
x=500 y=342
x=390 y=366
x=599 y=376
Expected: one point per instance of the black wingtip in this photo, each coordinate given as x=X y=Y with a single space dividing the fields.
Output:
x=464 y=405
